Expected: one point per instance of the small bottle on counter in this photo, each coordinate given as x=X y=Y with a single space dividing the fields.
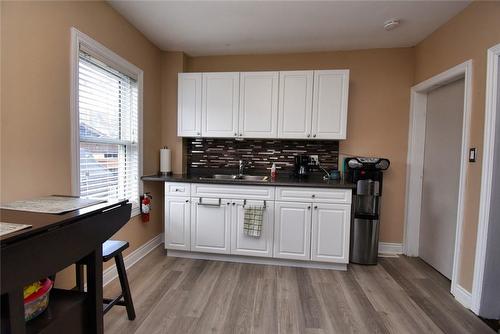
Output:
x=273 y=171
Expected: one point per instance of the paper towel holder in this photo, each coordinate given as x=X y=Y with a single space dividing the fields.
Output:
x=165 y=161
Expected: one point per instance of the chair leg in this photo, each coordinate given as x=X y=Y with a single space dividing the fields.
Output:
x=122 y=275
x=80 y=280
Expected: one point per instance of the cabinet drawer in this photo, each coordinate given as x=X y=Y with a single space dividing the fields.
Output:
x=177 y=189
x=314 y=195
x=235 y=192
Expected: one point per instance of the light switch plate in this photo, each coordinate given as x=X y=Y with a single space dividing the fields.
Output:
x=472 y=154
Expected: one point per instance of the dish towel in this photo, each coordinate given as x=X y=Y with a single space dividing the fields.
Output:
x=252 y=224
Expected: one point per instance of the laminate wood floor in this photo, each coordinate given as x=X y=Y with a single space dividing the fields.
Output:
x=400 y=295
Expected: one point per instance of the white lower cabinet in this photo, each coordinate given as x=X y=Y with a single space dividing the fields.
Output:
x=210 y=225
x=177 y=223
x=302 y=224
x=242 y=244
x=330 y=232
x=292 y=231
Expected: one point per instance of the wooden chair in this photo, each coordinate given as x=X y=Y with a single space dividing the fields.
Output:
x=112 y=249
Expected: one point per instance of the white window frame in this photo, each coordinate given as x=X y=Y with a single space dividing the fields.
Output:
x=110 y=58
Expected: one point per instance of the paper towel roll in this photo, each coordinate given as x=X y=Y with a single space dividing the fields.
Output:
x=165 y=161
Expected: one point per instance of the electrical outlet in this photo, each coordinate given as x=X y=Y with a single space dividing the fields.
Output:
x=314 y=159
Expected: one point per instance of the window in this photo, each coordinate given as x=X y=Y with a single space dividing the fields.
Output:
x=108 y=151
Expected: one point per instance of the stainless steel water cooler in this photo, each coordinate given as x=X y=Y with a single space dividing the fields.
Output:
x=366 y=173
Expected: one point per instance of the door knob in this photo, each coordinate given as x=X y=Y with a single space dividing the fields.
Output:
x=308 y=135
x=235 y=134
x=313 y=195
x=316 y=207
x=308 y=208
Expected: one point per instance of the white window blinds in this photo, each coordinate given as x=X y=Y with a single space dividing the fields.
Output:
x=108 y=127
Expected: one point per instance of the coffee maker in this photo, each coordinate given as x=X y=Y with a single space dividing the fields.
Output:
x=302 y=166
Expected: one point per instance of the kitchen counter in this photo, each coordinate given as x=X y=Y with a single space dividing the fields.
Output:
x=282 y=181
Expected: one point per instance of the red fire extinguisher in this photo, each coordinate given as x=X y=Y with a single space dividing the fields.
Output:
x=145 y=207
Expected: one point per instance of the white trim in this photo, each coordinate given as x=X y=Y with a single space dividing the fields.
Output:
x=79 y=39
x=415 y=159
x=390 y=248
x=490 y=114
x=256 y=260
x=463 y=296
x=131 y=259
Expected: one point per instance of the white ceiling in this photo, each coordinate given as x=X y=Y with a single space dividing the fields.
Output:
x=248 y=27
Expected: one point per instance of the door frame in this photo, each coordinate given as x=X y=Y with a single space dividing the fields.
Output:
x=490 y=114
x=415 y=166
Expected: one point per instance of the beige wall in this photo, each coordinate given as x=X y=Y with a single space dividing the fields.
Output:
x=35 y=113
x=466 y=36
x=172 y=64
x=380 y=82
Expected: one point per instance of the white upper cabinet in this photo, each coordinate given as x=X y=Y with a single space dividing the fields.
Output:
x=287 y=104
x=329 y=116
x=295 y=104
x=258 y=116
x=219 y=108
x=189 y=105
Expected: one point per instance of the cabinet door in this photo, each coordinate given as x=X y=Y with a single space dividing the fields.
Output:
x=210 y=225
x=292 y=231
x=330 y=232
x=220 y=104
x=242 y=244
x=189 y=105
x=295 y=104
x=258 y=104
x=329 y=120
x=177 y=223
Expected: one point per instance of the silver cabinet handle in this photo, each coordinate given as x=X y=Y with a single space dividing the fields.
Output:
x=209 y=204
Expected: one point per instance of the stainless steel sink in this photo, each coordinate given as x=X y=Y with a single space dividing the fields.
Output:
x=233 y=177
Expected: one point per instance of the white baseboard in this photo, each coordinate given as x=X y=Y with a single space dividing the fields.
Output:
x=463 y=296
x=131 y=259
x=256 y=260
x=390 y=248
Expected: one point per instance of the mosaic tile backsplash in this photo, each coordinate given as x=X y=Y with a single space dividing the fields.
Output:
x=223 y=154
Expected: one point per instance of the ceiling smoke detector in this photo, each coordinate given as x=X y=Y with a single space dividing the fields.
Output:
x=392 y=24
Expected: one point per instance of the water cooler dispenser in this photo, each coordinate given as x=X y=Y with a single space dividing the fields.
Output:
x=367 y=174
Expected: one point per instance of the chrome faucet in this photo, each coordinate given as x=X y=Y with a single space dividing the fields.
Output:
x=241 y=168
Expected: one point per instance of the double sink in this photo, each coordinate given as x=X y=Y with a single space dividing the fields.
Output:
x=234 y=177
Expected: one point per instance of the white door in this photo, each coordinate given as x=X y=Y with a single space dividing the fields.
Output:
x=242 y=244
x=220 y=101
x=258 y=104
x=330 y=232
x=329 y=115
x=189 y=105
x=210 y=225
x=295 y=104
x=440 y=184
x=177 y=223
x=292 y=230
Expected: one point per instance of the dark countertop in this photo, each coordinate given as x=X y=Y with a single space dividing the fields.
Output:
x=283 y=181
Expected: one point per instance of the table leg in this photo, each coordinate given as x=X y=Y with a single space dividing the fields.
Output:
x=94 y=291
x=16 y=312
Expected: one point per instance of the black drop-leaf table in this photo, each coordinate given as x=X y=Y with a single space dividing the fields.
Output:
x=53 y=243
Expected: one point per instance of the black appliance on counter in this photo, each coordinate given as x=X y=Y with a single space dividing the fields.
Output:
x=367 y=174
x=302 y=166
